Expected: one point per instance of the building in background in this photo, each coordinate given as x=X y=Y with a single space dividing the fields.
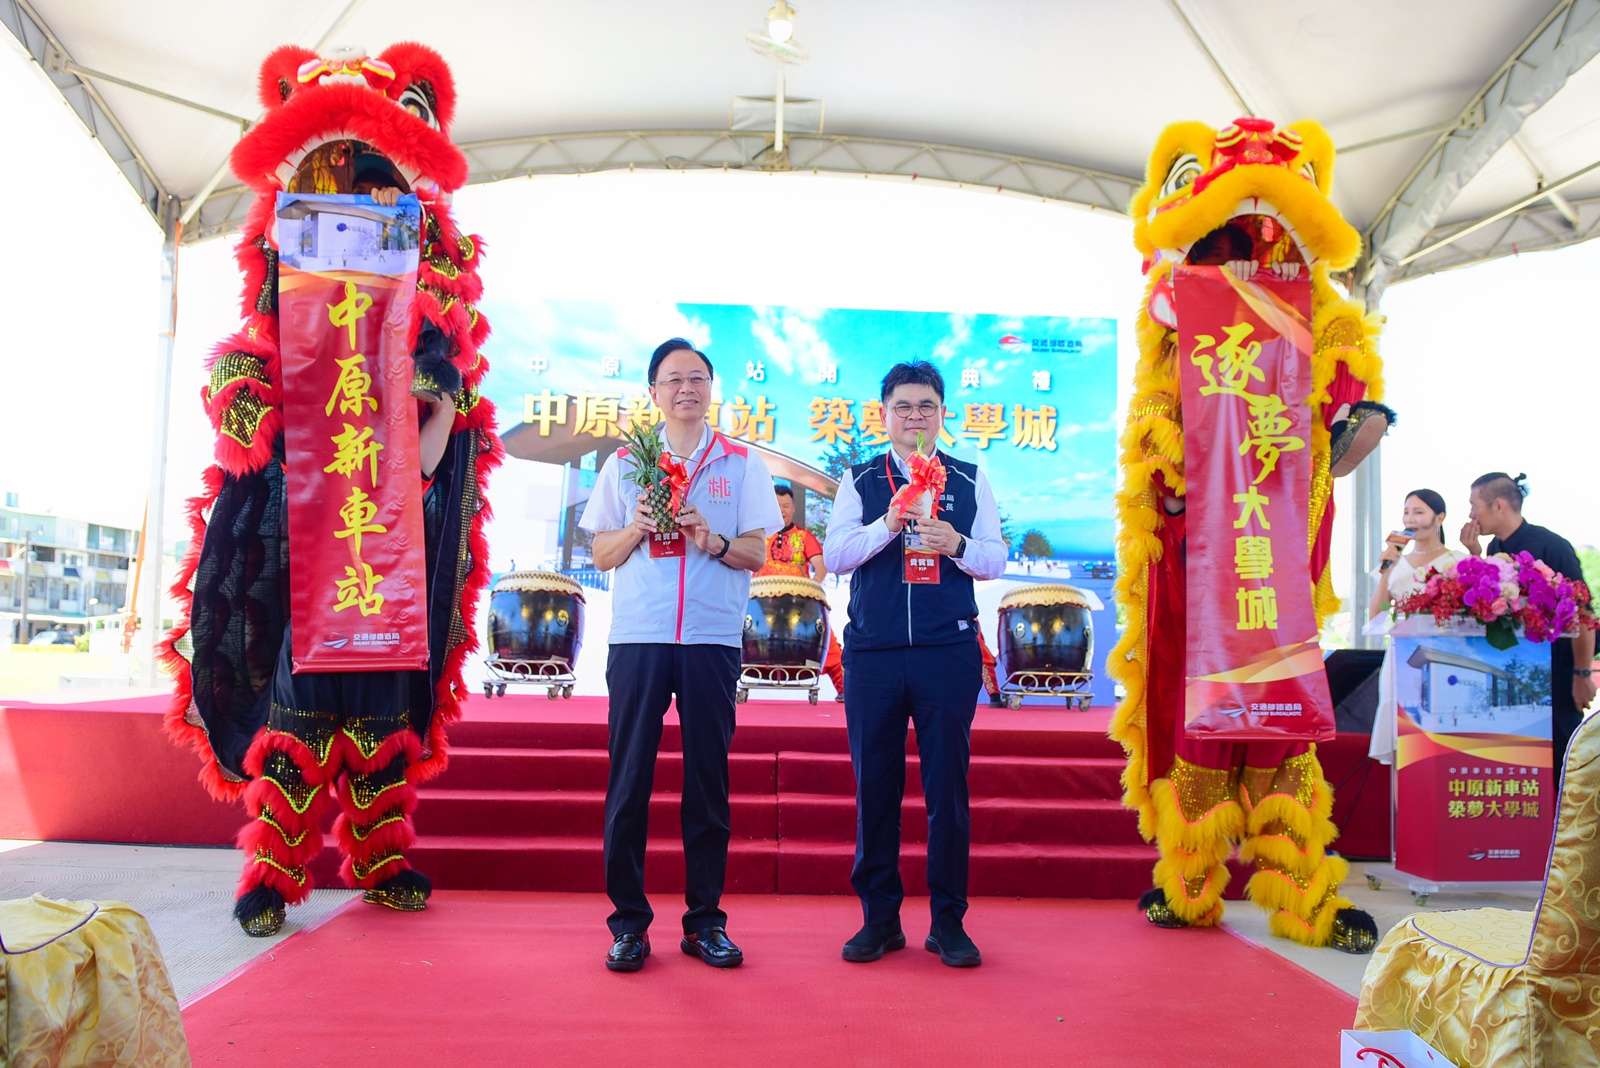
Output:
x=79 y=575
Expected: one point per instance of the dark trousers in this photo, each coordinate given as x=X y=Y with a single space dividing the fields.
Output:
x=936 y=688
x=642 y=680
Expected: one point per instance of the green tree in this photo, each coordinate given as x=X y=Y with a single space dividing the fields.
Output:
x=1589 y=557
x=839 y=458
x=843 y=455
x=1008 y=528
x=1036 y=545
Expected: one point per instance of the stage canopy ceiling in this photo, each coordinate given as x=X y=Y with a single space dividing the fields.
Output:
x=1480 y=116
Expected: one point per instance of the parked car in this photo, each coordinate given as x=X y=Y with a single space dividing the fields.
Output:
x=53 y=637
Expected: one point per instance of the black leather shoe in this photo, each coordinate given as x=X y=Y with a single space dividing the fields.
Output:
x=873 y=941
x=713 y=947
x=953 y=947
x=628 y=952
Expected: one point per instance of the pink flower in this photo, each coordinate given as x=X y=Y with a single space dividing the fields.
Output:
x=1500 y=607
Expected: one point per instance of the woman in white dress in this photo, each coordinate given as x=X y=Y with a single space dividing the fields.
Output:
x=1402 y=572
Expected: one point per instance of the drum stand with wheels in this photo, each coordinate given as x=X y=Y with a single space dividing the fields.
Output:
x=754 y=677
x=1073 y=686
x=554 y=675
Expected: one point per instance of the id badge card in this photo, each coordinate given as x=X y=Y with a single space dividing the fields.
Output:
x=667 y=546
x=921 y=564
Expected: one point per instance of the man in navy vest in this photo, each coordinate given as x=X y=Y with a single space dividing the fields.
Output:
x=911 y=652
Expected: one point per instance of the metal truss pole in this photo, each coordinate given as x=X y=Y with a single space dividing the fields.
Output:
x=1560 y=45
x=151 y=595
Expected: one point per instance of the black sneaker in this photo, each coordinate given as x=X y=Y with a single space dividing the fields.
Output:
x=873 y=941
x=953 y=947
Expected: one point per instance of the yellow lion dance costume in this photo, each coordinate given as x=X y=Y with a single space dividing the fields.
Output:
x=1253 y=197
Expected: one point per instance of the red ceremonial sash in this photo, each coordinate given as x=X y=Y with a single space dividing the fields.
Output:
x=358 y=590
x=1253 y=666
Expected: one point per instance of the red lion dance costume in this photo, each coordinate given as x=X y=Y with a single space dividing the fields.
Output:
x=1256 y=199
x=297 y=748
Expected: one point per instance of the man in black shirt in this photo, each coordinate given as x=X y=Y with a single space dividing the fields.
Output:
x=1497 y=511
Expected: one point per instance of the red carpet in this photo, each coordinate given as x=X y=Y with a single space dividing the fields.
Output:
x=520 y=806
x=516 y=979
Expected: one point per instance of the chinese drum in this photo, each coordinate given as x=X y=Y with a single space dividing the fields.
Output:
x=1044 y=630
x=786 y=623
x=534 y=617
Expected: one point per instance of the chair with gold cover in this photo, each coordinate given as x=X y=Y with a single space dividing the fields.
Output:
x=1501 y=987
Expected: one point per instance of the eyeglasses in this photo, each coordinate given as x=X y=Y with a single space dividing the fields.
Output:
x=673 y=384
x=905 y=409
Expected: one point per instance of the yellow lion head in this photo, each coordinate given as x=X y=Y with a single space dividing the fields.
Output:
x=1249 y=193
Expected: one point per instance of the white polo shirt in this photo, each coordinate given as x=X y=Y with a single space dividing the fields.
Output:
x=692 y=599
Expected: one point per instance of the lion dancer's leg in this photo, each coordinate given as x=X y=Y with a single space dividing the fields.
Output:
x=376 y=799
x=1288 y=807
x=1194 y=784
x=289 y=797
x=1198 y=821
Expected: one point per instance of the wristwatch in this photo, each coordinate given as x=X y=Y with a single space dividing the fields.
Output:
x=726 y=545
x=961 y=546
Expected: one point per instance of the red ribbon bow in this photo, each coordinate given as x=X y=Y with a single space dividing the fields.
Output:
x=677 y=479
x=927 y=476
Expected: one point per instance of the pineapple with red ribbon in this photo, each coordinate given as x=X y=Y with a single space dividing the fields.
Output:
x=663 y=481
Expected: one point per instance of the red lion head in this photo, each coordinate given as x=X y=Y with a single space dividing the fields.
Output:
x=348 y=122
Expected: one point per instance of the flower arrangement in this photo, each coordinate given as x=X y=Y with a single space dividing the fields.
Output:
x=1505 y=594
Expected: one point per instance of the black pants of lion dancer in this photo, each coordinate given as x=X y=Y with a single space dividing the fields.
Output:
x=936 y=688
x=642 y=680
x=337 y=742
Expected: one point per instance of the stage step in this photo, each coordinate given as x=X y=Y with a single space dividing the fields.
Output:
x=822 y=817
x=987 y=776
x=474 y=813
x=791 y=867
x=798 y=727
x=1062 y=821
x=487 y=768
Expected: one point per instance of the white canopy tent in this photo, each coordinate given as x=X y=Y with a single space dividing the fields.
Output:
x=1467 y=130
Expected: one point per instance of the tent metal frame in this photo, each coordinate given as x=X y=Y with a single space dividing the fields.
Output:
x=1405 y=241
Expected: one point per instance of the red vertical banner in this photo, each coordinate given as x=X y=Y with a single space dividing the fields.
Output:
x=347 y=275
x=1254 y=666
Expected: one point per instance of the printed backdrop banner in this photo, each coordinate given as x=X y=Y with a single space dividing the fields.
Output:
x=1032 y=400
x=1254 y=666
x=1476 y=794
x=346 y=278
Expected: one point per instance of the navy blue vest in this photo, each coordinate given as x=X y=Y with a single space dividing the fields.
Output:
x=886 y=612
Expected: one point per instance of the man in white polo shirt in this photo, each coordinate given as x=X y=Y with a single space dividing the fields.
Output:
x=677 y=629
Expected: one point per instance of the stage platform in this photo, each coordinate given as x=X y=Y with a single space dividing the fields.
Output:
x=520 y=807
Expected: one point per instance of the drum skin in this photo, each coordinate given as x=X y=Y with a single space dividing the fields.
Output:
x=785 y=623
x=536 y=615
x=1044 y=628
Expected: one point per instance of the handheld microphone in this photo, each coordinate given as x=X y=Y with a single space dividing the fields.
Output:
x=1407 y=535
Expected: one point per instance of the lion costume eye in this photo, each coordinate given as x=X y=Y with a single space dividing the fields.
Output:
x=1309 y=172
x=1184 y=170
x=416 y=101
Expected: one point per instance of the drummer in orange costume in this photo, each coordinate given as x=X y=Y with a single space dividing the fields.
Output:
x=794 y=550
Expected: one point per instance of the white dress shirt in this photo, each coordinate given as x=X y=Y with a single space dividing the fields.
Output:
x=850 y=543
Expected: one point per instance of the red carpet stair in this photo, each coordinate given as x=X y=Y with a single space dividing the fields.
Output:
x=521 y=806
